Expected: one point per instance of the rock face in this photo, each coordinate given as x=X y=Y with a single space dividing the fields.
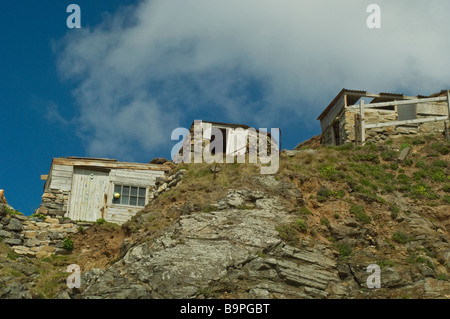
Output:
x=231 y=250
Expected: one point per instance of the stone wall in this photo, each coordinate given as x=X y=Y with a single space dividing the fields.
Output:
x=346 y=122
x=32 y=236
x=165 y=183
x=54 y=203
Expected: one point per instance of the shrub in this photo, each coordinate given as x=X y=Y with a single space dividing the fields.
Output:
x=417 y=141
x=421 y=164
x=324 y=221
x=446 y=199
x=328 y=172
x=439 y=177
x=288 y=234
x=408 y=162
x=389 y=155
x=394 y=211
x=400 y=237
x=369 y=157
x=441 y=148
x=423 y=191
x=440 y=163
x=339 y=194
x=323 y=193
x=336 y=216
x=403 y=179
x=360 y=214
x=100 y=221
x=417 y=176
x=393 y=166
x=68 y=244
x=446 y=188
x=344 y=250
x=300 y=225
x=305 y=211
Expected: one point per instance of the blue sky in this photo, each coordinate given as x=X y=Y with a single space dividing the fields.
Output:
x=136 y=70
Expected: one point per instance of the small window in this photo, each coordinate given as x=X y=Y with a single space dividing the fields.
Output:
x=129 y=195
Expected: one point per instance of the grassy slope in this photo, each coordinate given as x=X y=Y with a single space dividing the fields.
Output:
x=337 y=183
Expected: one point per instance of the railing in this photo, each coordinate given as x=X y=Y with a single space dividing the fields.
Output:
x=361 y=126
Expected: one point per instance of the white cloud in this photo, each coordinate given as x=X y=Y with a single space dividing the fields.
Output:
x=149 y=69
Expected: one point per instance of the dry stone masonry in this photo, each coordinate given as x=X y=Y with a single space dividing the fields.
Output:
x=54 y=203
x=165 y=183
x=32 y=236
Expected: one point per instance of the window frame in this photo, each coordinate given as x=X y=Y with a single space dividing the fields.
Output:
x=138 y=197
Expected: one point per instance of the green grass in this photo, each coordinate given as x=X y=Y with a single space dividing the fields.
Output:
x=300 y=225
x=413 y=258
x=359 y=212
x=11 y=211
x=385 y=263
x=325 y=221
x=400 y=237
x=404 y=145
x=329 y=172
x=305 y=211
x=288 y=234
x=441 y=148
x=100 y=221
x=443 y=276
x=344 y=250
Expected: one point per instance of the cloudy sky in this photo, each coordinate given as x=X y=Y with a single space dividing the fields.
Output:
x=136 y=70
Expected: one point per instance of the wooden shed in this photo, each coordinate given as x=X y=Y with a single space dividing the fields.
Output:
x=88 y=189
x=381 y=116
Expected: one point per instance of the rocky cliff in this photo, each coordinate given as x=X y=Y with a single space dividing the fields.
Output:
x=309 y=231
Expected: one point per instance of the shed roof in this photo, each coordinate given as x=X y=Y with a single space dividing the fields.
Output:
x=107 y=163
x=354 y=95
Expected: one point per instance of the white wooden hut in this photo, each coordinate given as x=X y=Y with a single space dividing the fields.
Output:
x=88 y=189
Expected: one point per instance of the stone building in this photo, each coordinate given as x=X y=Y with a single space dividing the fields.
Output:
x=358 y=116
x=227 y=139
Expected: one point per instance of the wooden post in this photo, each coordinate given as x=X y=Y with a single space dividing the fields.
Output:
x=446 y=131
x=448 y=103
x=446 y=128
x=363 y=127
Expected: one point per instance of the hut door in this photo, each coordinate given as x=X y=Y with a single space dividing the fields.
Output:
x=89 y=194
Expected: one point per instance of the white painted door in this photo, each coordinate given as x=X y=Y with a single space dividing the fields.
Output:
x=236 y=141
x=89 y=193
